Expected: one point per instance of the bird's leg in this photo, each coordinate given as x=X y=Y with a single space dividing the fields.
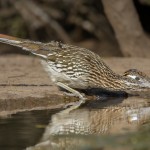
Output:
x=74 y=93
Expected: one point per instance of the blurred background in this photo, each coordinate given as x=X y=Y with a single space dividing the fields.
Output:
x=108 y=27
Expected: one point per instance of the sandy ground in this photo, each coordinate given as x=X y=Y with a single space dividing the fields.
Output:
x=25 y=85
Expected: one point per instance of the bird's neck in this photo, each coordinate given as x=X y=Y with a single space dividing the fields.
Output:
x=122 y=83
x=115 y=82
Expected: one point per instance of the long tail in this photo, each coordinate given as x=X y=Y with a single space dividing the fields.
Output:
x=10 y=40
x=27 y=45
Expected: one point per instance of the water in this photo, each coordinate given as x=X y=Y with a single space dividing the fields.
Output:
x=109 y=123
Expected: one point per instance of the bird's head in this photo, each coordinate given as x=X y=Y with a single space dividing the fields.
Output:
x=139 y=77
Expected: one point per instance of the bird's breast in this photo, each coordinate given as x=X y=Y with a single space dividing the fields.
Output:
x=66 y=75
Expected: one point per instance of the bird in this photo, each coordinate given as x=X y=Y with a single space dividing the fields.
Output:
x=72 y=67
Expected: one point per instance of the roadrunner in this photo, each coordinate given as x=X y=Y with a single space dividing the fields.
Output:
x=72 y=67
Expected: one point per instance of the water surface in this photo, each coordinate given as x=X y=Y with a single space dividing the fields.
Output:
x=108 y=123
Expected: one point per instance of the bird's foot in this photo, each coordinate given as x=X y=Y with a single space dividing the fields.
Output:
x=80 y=95
x=72 y=105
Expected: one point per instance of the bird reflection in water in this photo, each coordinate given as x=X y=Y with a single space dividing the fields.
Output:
x=108 y=117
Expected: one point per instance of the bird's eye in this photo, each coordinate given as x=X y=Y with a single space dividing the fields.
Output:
x=137 y=78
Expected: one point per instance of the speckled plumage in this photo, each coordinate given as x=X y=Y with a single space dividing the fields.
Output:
x=74 y=66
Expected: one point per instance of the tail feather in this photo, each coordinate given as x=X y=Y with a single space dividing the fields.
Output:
x=2 y=36
x=31 y=46
x=10 y=40
x=24 y=44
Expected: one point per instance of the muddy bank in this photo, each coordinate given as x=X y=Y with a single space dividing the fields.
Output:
x=25 y=85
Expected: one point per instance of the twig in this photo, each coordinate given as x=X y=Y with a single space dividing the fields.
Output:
x=37 y=17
